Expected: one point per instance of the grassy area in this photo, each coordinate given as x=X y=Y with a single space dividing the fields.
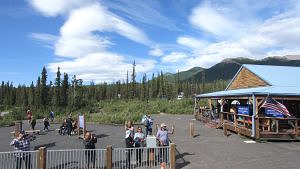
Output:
x=113 y=111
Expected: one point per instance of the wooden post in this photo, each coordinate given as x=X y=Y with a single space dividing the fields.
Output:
x=256 y=128
x=109 y=157
x=42 y=158
x=192 y=130
x=225 y=129
x=172 y=156
x=296 y=128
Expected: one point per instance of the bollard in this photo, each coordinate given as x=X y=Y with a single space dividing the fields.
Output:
x=225 y=129
x=192 y=130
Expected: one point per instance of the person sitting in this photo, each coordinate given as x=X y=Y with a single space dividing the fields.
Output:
x=74 y=127
x=63 y=128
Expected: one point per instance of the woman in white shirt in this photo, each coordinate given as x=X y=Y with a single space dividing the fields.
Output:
x=139 y=140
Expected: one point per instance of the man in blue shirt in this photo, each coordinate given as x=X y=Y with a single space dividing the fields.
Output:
x=163 y=137
x=22 y=146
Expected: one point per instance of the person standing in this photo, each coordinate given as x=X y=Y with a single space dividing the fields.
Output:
x=22 y=146
x=33 y=123
x=163 y=137
x=51 y=116
x=46 y=123
x=129 y=135
x=139 y=139
x=89 y=144
x=29 y=115
x=69 y=125
x=149 y=125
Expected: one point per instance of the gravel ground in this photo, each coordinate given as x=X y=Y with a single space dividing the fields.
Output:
x=208 y=150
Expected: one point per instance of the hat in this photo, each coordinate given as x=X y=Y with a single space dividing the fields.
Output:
x=163 y=125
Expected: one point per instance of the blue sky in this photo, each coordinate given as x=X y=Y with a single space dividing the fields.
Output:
x=97 y=40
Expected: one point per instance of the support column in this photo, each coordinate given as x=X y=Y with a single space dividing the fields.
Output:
x=254 y=103
x=109 y=157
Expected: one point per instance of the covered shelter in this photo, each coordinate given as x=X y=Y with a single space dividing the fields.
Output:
x=241 y=107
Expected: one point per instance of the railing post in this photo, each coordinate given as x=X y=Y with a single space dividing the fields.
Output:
x=109 y=157
x=172 y=156
x=42 y=158
x=192 y=130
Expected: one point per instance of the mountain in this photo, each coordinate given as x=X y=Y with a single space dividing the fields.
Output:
x=184 y=75
x=226 y=69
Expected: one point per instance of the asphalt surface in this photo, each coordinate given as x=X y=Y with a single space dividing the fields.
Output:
x=208 y=150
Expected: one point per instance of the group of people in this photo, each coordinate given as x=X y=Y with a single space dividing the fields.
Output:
x=32 y=120
x=133 y=139
x=138 y=139
x=68 y=127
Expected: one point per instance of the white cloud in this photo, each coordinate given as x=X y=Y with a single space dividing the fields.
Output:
x=156 y=52
x=47 y=40
x=235 y=36
x=148 y=12
x=174 y=57
x=191 y=42
x=100 y=67
x=81 y=33
x=204 y=17
x=57 y=7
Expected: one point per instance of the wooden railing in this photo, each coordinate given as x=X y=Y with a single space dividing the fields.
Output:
x=265 y=127
x=271 y=126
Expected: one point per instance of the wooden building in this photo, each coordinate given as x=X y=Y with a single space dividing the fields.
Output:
x=239 y=107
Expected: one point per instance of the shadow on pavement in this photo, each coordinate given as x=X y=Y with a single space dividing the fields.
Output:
x=101 y=135
x=180 y=161
x=44 y=145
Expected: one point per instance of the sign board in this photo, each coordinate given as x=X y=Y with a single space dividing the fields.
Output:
x=151 y=141
x=81 y=121
x=243 y=110
x=272 y=113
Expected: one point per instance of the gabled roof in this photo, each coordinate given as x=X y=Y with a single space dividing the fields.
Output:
x=274 y=75
x=283 y=81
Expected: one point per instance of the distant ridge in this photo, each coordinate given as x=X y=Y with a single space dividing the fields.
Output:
x=226 y=69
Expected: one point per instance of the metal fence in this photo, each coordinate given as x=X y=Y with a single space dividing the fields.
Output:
x=109 y=158
x=141 y=158
x=15 y=160
x=76 y=158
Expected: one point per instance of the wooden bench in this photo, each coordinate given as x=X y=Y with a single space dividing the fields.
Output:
x=29 y=132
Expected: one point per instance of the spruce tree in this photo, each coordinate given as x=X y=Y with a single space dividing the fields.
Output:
x=57 y=83
x=44 y=88
x=64 y=90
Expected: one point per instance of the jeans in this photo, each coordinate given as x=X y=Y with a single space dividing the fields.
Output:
x=26 y=158
x=90 y=156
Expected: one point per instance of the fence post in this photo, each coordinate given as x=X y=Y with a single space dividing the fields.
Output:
x=109 y=157
x=172 y=156
x=42 y=158
x=192 y=129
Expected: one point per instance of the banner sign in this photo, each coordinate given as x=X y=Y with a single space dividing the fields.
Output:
x=272 y=113
x=81 y=121
x=243 y=110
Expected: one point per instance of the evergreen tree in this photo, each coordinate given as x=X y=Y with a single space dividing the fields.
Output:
x=44 y=88
x=31 y=95
x=57 y=83
x=133 y=81
x=64 y=90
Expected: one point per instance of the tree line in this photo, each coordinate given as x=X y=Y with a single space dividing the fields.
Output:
x=70 y=94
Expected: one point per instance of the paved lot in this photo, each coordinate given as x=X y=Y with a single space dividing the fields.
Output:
x=208 y=150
